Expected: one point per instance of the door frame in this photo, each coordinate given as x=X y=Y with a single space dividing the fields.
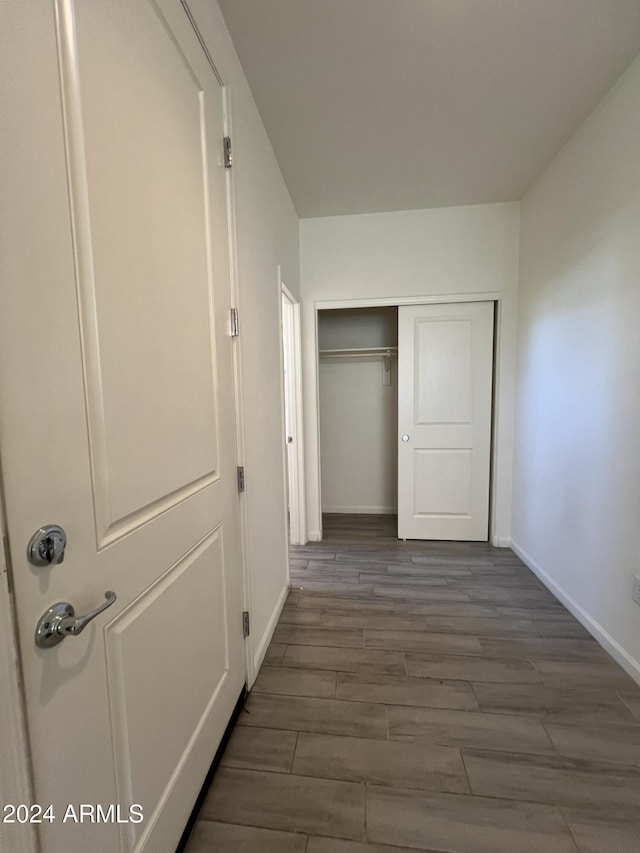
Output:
x=292 y=393
x=497 y=537
x=234 y=284
x=16 y=780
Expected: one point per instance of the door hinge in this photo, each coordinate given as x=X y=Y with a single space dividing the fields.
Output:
x=235 y=326
x=241 y=478
x=246 y=627
x=228 y=156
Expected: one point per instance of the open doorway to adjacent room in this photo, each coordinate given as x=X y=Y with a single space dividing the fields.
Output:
x=294 y=449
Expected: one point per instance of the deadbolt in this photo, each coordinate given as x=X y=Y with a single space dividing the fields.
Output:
x=46 y=546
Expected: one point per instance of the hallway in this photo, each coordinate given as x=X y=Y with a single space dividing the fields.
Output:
x=428 y=696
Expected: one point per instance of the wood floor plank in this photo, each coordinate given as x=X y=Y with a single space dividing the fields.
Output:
x=614 y=742
x=516 y=596
x=435 y=768
x=309 y=553
x=388 y=555
x=260 y=749
x=336 y=567
x=299 y=616
x=499 y=732
x=392 y=580
x=603 y=675
x=333 y=845
x=457 y=823
x=548 y=649
x=553 y=704
x=596 y=833
x=300 y=577
x=481 y=627
x=418 y=593
x=318 y=600
x=552 y=610
x=304 y=635
x=437 y=557
x=447 y=608
x=399 y=690
x=524 y=581
x=295 y=681
x=421 y=641
x=335 y=587
x=443 y=569
x=347 y=660
x=468 y=668
x=384 y=621
x=275 y=653
x=555 y=780
x=215 y=837
x=561 y=628
x=325 y=716
x=631 y=699
x=286 y=802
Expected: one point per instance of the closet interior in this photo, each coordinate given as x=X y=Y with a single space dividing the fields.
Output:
x=358 y=391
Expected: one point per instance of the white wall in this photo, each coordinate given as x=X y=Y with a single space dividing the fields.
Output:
x=358 y=413
x=577 y=451
x=267 y=236
x=412 y=254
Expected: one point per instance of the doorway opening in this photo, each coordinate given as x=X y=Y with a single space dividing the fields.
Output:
x=405 y=417
x=358 y=401
x=292 y=399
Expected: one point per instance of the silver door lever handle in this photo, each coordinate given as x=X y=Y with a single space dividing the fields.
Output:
x=60 y=620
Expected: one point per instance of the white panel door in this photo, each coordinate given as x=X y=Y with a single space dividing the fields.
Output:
x=117 y=417
x=445 y=369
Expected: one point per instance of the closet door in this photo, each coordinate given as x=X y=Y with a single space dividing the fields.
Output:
x=445 y=369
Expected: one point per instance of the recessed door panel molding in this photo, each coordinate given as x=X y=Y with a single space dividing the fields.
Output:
x=158 y=653
x=442 y=483
x=443 y=392
x=445 y=375
x=141 y=238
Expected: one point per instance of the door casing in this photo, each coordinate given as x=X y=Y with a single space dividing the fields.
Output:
x=16 y=784
x=292 y=361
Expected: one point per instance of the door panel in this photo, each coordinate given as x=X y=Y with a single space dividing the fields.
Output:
x=445 y=365
x=144 y=674
x=444 y=395
x=117 y=419
x=442 y=482
x=140 y=112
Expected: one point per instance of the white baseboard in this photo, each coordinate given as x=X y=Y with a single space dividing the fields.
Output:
x=314 y=536
x=361 y=510
x=613 y=647
x=263 y=645
x=501 y=542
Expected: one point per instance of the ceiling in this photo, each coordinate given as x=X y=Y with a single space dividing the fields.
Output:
x=376 y=105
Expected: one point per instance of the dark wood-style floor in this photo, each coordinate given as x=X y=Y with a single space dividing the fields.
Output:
x=428 y=696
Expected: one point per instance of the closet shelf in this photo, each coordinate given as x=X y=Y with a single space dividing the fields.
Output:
x=359 y=352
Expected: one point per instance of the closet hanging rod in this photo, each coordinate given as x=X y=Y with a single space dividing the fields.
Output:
x=358 y=352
